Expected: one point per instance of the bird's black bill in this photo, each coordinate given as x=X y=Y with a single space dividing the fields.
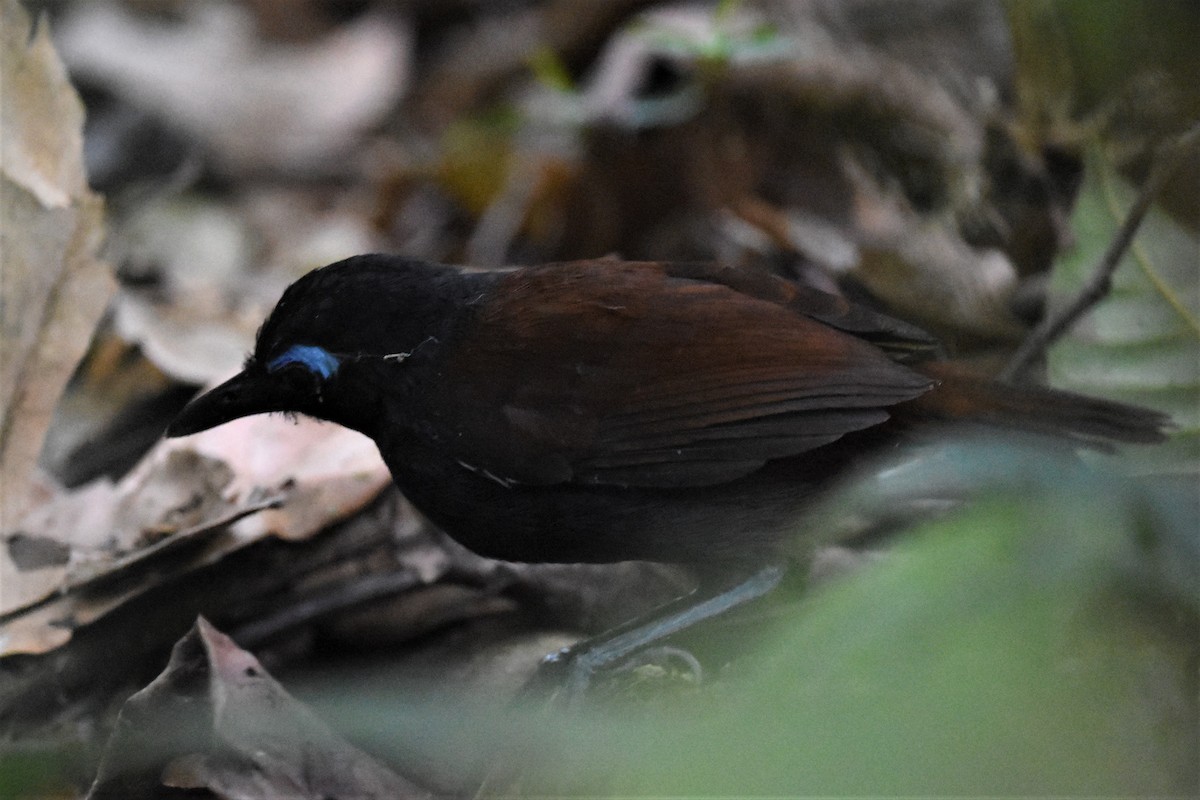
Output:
x=240 y=396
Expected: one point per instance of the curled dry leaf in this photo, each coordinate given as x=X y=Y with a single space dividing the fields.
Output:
x=328 y=472
x=189 y=503
x=69 y=523
x=99 y=527
x=54 y=287
x=215 y=720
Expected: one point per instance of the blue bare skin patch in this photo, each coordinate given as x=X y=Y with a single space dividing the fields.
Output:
x=318 y=360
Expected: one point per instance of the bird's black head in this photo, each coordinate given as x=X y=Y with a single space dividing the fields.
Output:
x=336 y=337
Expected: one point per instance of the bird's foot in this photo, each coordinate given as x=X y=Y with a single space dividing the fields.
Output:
x=566 y=676
x=570 y=676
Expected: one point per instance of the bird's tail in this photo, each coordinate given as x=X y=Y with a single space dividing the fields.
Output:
x=963 y=397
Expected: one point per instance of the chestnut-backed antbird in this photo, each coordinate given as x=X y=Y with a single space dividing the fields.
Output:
x=600 y=411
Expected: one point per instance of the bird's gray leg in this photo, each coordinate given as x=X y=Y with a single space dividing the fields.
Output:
x=576 y=665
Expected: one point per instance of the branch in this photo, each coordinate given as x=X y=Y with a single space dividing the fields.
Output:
x=1054 y=325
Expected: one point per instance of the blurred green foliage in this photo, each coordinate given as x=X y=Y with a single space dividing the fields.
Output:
x=999 y=652
x=42 y=771
x=1039 y=641
x=1079 y=58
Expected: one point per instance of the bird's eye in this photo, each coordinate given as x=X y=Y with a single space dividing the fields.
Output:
x=316 y=360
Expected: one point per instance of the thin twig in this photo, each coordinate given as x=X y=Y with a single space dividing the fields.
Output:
x=1053 y=326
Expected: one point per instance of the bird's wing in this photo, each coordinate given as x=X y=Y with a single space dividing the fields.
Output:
x=646 y=374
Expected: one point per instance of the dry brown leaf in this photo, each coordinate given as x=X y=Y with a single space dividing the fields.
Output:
x=100 y=526
x=328 y=471
x=54 y=287
x=215 y=720
x=188 y=493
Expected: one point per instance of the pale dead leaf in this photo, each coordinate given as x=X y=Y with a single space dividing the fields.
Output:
x=199 y=320
x=198 y=250
x=54 y=288
x=100 y=525
x=182 y=340
x=43 y=135
x=328 y=471
x=189 y=492
x=254 y=103
x=75 y=522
